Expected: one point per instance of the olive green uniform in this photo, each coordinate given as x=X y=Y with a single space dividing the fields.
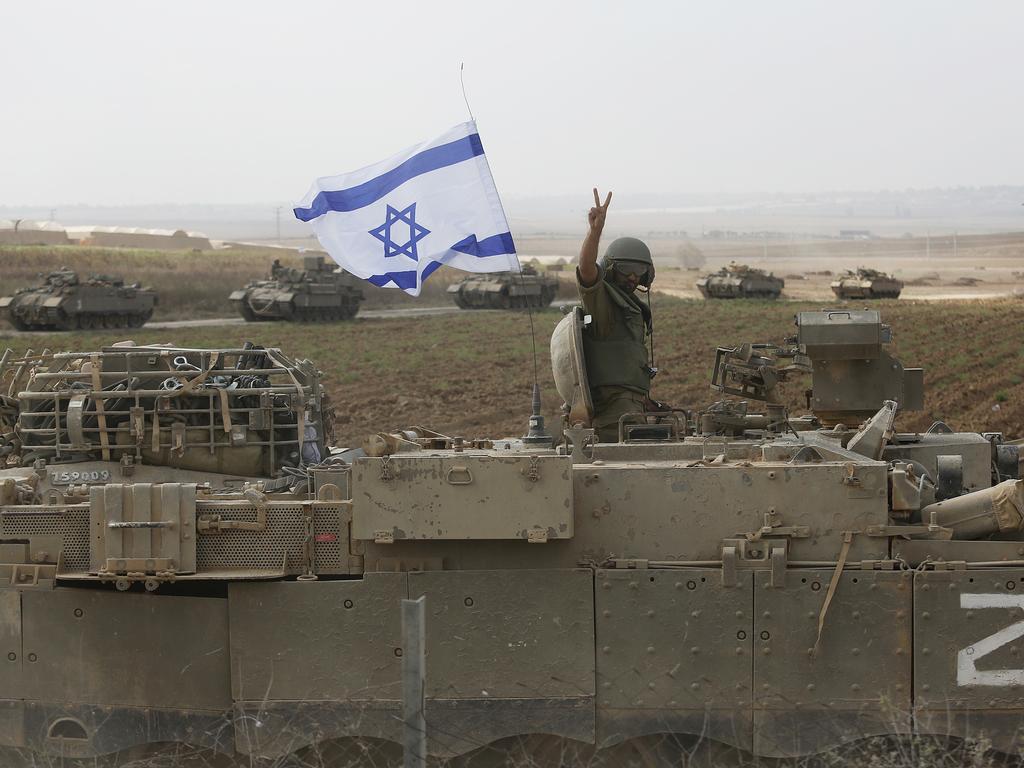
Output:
x=616 y=356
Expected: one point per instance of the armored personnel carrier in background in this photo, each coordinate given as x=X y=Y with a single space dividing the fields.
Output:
x=864 y=283
x=779 y=583
x=505 y=290
x=738 y=281
x=319 y=292
x=65 y=302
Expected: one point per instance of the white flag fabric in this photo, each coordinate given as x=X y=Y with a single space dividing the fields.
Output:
x=394 y=223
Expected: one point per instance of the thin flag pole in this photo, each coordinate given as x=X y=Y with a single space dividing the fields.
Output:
x=537 y=431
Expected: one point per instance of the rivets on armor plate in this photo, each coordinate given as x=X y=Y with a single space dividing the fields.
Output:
x=607 y=585
x=926 y=651
x=766 y=615
x=856 y=614
x=606 y=685
x=606 y=649
x=969 y=615
x=810 y=686
x=12 y=656
x=855 y=651
x=812 y=615
x=766 y=651
x=32 y=657
x=650 y=612
x=766 y=687
x=899 y=651
x=810 y=652
x=854 y=687
x=926 y=687
x=694 y=686
x=606 y=613
x=739 y=614
x=739 y=651
x=766 y=635
x=741 y=635
x=925 y=587
x=633 y=585
x=679 y=585
x=694 y=614
x=900 y=614
x=695 y=650
x=651 y=686
x=925 y=615
x=952 y=587
x=650 y=649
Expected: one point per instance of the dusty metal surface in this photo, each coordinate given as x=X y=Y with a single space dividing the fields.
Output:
x=776 y=583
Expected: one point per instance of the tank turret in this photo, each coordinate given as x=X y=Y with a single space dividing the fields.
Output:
x=319 y=292
x=505 y=290
x=864 y=283
x=738 y=281
x=65 y=302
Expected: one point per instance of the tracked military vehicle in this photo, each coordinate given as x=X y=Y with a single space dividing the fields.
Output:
x=733 y=575
x=864 y=283
x=738 y=281
x=319 y=292
x=505 y=290
x=65 y=302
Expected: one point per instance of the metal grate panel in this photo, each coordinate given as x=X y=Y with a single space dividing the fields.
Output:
x=71 y=524
x=285 y=533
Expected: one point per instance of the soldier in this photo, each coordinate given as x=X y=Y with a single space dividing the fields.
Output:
x=618 y=367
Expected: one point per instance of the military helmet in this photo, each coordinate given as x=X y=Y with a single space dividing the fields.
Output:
x=629 y=249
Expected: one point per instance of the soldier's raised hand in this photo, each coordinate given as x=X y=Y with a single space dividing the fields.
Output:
x=598 y=212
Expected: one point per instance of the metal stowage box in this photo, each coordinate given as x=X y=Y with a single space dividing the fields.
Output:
x=472 y=495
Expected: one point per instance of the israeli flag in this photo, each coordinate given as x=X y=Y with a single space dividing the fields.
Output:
x=396 y=222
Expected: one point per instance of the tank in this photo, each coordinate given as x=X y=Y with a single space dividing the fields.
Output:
x=65 y=302
x=319 y=292
x=864 y=283
x=729 y=577
x=505 y=290
x=738 y=281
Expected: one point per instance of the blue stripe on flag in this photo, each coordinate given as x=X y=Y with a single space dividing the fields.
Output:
x=495 y=245
x=370 y=191
x=405 y=280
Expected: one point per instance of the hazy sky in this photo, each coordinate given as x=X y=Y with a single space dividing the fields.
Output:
x=127 y=102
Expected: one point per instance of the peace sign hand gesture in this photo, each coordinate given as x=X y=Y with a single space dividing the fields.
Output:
x=598 y=212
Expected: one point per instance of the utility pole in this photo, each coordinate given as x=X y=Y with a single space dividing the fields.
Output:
x=277 y=211
x=955 y=247
x=53 y=214
x=928 y=244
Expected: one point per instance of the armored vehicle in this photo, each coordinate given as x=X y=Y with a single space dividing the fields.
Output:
x=505 y=290
x=65 y=302
x=319 y=292
x=738 y=281
x=185 y=559
x=864 y=283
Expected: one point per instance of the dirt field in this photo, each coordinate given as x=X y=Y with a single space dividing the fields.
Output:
x=470 y=374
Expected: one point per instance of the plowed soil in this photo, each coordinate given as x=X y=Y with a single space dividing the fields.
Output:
x=470 y=374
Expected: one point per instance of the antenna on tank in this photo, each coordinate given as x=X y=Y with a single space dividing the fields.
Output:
x=536 y=434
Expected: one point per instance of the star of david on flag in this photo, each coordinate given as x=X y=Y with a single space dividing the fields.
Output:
x=394 y=223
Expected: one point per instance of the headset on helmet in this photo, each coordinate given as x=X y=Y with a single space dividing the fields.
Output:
x=629 y=249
